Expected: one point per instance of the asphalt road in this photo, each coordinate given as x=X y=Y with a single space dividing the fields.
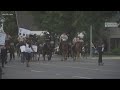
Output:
x=57 y=69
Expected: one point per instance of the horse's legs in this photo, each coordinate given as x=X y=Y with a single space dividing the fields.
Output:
x=44 y=56
x=49 y=56
x=86 y=55
x=35 y=56
x=65 y=57
x=73 y=56
x=78 y=55
x=62 y=56
x=83 y=55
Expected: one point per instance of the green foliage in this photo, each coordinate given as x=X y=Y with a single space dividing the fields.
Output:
x=116 y=51
x=73 y=21
x=10 y=24
x=64 y=21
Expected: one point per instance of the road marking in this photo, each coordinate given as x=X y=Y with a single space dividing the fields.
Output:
x=81 y=77
x=37 y=71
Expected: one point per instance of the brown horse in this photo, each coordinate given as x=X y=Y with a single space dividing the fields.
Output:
x=77 y=49
x=64 y=50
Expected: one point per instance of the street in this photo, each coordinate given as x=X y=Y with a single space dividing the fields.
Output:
x=57 y=69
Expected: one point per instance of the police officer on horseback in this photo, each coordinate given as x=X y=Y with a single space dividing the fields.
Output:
x=63 y=39
x=47 y=38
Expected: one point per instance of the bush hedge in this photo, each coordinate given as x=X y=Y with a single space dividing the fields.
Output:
x=116 y=51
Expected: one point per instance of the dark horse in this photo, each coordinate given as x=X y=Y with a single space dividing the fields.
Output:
x=47 y=50
x=76 y=50
x=64 y=50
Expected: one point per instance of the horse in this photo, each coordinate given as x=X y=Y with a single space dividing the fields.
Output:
x=69 y=50
x=39 y=51
x=76 y=50
x=64 y=50
x=47 y=50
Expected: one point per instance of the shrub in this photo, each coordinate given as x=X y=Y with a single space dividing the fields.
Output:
x=116 y=51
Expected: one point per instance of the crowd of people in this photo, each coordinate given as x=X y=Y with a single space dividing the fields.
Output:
x=29 y=47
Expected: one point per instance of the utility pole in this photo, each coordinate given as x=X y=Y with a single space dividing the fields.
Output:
x=17 y=19
x=90 y=41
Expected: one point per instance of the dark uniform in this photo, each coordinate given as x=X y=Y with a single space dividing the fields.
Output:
x=4 y=56
x=0 y=72
x=100 y=55
x=12 y=52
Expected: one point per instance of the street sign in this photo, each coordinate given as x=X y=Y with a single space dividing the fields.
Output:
x=111 y=24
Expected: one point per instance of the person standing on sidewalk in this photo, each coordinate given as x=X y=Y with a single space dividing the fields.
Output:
x=100 y=63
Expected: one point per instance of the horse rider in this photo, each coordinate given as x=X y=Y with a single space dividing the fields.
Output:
x=47 y=38
x=76 y=39
x=63 y=38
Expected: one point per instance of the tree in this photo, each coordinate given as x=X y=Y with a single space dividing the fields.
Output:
x=73 y=21
x=10 y=24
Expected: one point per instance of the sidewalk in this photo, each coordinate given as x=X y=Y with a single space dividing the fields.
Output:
x=106 y=57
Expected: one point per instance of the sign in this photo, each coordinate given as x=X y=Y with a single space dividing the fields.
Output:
x=2 y=38
x=34 y=48
x=111 y=24
x=22 y=48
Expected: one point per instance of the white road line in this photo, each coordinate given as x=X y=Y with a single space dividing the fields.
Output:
x=37 y=71
x=81 y=77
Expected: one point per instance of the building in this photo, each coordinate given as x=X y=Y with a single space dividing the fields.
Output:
x=25 y=32
x=114 y=34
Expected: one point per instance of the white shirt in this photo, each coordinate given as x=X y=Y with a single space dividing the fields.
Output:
x=34 y=48
x=63 y=37
x=22 y=48
x=76 y=40
x=28 y=49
